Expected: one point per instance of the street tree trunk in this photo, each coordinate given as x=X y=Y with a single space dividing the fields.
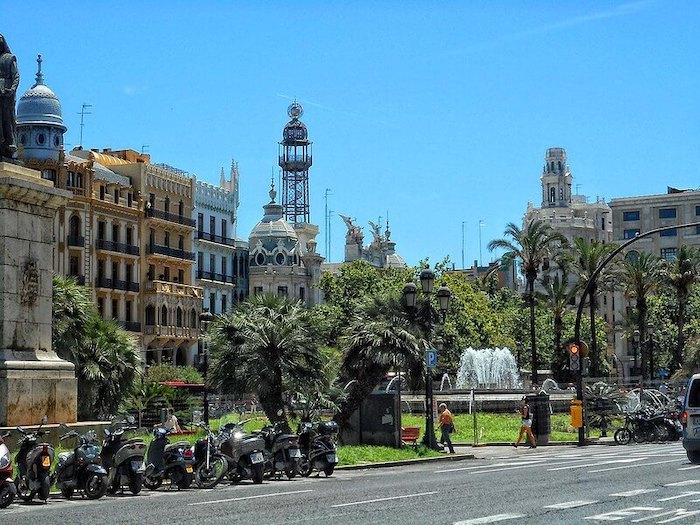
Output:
x=642 y=327
x=533 y=338
x=680 y=339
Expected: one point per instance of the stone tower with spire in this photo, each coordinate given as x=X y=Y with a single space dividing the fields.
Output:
x=556 y=179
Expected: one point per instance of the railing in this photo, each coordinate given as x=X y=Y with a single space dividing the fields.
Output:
x=167 y=216
x=116 y=284
x=165 y=287
x=131 y=326
x=170 y=252
x=103 y=282
x=76 y=240
x=295 y=161
x=213 y=276
x=132 y=287
x=171 y=331
x=215 y=238
x=120 y=247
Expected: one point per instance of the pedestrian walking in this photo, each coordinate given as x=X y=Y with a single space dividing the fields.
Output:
x=525 y=425
x=447 y=426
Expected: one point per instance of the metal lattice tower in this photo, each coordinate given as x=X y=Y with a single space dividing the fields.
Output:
x=295 y=159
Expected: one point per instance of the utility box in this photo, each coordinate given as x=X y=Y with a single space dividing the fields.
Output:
x=541 y=421
x=376 y=422
x=576 y=412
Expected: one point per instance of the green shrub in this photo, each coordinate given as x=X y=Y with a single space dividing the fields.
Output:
x=160 y=373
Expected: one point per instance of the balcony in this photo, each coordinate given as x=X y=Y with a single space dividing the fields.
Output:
x=116 y=284
x=155 y=249
x=295 y=162
x=215 y=238
x=103 y=282
x=213 y=276
x=170 y=217
x=131 y=326
x=173 y=332
x=76 y=240
x=119 y=247
x=181 y=290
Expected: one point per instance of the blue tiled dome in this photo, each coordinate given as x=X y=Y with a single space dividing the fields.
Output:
x=39 y=105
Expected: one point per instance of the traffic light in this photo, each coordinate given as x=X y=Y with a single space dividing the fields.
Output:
x=574 y=356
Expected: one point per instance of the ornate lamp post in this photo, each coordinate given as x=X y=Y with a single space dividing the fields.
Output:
x=204 y=319
x=427 y=315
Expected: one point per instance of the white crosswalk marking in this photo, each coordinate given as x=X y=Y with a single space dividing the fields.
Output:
x=692 y=467
x=617 y=515
x=683 y=483
x=674 y=515
x=630 y=493
x=632 y=466
x=571 y=504
x=679 y=496
x=627 y=460
x=490 y=519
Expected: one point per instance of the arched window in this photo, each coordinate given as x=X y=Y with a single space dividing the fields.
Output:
x=181 y=208
x=260 y=259
x=280 y=258
x=559 y=164
x=164 y=316
x=193 y=318
x=150 y=315
x=74 y=226
x=178 y=319
x=552 y=195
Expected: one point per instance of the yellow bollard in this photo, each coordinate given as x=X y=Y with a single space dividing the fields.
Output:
x=576 y=411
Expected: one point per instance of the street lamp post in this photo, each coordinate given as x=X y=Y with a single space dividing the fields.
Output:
x=428 y=316
x=635 y=346
x=204 y=319
x=650 y=348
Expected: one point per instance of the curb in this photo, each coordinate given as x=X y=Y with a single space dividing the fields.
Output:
x=406 y=462
x=550 y=444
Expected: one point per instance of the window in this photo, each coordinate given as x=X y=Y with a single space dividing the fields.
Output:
x=552 y=195
x=40 y=139
x=193 y=318
x=212 y=302
x=102 y=193
x=302 y=293
x=180 y=243
x=166 y=205
x=101 y=306
x=631 y=233
x=129 y=199
x=223 y=228
x=632 y=255
x=164 y=316
x=200 y=261
x=224 y=305
x=694 y=396
x=152 y=199
x=668 y=254
x=151 y=272
x=697 y=210
x=130 y=236
x=181 y=276
x=200 y=222
x=669 y=233
x=279 y=258
x=56 y=141
x=667 y=213
x=151 y=236
x=234 y=265
x=150 y=315
x=630 y=215
x=212 y=263
x=602 y=223
x=116 y=196
x=127 y=312
x=129 y=273
x=166 y=273
x=49 y=175
x=260 y=259
x=212 y=225
x=115 y=232
x=257 y=290
x=101 y=230
x=181 y=208
x=178 y=316
x=74 y=265
x=115 y=270
x=74 y=226
x=223 y=267
x=697 y=230
x=282 y=291
x=115 y=309
x=166 y=239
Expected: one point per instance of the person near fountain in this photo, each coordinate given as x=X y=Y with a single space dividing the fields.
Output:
x=525 y=425
x=447 y=426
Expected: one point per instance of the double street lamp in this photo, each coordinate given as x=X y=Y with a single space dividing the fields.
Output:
x=205 y=318
x=428 y=316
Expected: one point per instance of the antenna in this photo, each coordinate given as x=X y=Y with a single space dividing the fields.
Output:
x=330 y=212
x=577 y=189
x=144 y=148
x=82 y=119
x=481 y=225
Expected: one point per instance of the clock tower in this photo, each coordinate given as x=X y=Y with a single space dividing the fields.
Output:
x=295 y=160
x=556 y=179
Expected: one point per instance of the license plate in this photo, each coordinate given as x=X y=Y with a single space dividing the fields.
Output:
x=331 y=458
x=136 y=465
x=189 y=469
x=256 y=457
x=46 y=461
x=294 y=453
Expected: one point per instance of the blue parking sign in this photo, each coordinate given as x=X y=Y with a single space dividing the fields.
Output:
x=431 y=358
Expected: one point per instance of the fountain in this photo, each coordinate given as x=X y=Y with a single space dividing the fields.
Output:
x=488 y=368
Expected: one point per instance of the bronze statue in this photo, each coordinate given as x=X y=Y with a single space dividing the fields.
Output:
x=9 y=81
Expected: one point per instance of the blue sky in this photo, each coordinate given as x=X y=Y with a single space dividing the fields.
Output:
x=433 y=112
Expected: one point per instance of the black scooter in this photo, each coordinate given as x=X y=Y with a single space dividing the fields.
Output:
x=8 y=491
x=282 y=454
x=173 y=461
x=244 y=453
x=34 y=460
x=81 y=469
x=123 y=458
x=318 y=448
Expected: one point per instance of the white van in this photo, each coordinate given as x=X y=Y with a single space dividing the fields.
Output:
x=691 y=419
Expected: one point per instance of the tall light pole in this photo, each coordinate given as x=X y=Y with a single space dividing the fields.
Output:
x=82 y=119
x=481 y=225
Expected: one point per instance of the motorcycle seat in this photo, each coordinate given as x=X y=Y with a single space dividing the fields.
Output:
x=173 y=446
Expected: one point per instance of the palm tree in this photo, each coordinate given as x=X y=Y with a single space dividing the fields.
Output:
x=639 y=277
x=682 y=274
x=381 y=335
x=558 y=294
x=72 y=309
x=586 y=256
x=533 y=246
x=265 y=346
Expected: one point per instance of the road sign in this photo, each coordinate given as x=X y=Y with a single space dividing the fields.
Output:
x=431 y=358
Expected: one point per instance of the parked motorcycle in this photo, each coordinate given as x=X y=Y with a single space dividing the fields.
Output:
x=173 y=461
x=318 y=448
x=244 y=453
x=34 y=460
x=81 y=469
x=123 y=458
x=8 y=491
x=210 y=464
x=282 y=452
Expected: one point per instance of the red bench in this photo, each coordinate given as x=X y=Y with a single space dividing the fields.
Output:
x=409 y=435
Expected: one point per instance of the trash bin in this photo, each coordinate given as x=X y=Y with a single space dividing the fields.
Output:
x=541 y=421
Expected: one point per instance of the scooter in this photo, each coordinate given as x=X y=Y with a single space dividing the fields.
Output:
x=123 y=458
x=244 y=453
x=318 y=448
x=210 y=464
x=173 y=461
x=34 y=464
x=282 y=452
x=81 y=469
x=8 y=491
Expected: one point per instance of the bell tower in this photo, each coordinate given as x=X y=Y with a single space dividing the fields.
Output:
x=295 y=160
x=556 y=179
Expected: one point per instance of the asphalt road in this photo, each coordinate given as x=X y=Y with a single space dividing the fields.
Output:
x=632 y=484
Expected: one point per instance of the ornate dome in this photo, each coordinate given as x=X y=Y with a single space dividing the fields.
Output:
x=272 y=227
x=39 y=105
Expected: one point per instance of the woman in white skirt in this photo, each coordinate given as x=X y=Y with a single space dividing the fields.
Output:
x=525 y=425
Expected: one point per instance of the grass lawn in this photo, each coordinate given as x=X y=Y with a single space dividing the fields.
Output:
x=498 y=428
x=362 y=454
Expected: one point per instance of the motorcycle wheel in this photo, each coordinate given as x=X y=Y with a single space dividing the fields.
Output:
x=23 y=490
x=135 y=483
x=693 y=456
x=7 y=495
x=257 y=473
x=328 y=471
x=639 y=435
x=185 y=481
x=623 y=436
x=208 y=478
x=44 y=484
x=95 y=487
x=305 y=467
x=152 y=482
x=67 y=492
x=292 y=470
